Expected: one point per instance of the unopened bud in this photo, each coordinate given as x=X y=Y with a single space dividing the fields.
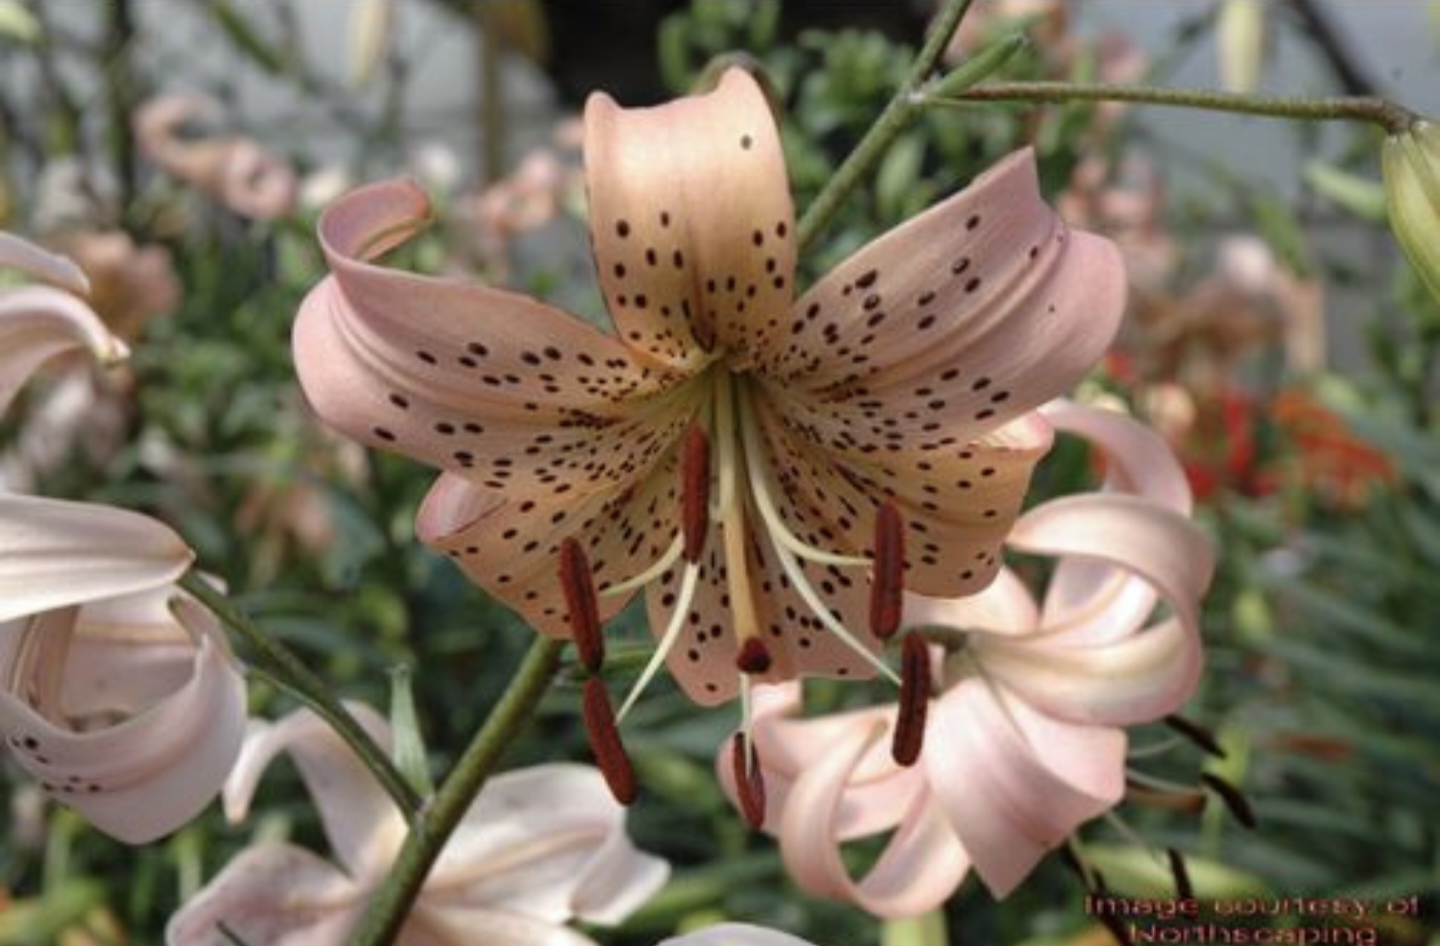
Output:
x=1411 y=166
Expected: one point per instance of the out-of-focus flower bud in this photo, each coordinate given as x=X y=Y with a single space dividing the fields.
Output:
x=1240 y=44
x=1411 y=167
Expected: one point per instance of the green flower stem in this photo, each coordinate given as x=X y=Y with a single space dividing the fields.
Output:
x=896 y=117
x=391 y=904
x=1394 y=119
x=288 y=672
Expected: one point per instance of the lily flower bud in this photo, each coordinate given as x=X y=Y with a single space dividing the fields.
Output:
x=1411 y=167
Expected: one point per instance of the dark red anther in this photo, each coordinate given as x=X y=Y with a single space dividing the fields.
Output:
x=578 y=585
x=754 y=656
x=914 y=704
x=1184 y=889
x=605 y=744
x=887 y=584
x=695 y=492
x=1197 y=734
x=1233 y=798
x=749 y=780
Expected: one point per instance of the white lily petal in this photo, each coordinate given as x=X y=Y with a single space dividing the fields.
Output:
x=548 y=842
x=276 y=895
x=1003 y=607
x=146 y=776
x=36 y=324
x=484 y=926
x=50 y=267
x=735 y=934
x=363 y=826
x=127 y=653
x=61 y=553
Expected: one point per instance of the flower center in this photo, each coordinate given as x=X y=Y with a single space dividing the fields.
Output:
x=728 y=480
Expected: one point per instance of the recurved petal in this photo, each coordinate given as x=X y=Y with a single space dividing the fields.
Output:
x=149 y=774
x=61 y=553
x=1014 y=783
x=274 y=894
x=361 y=823
x=492 y=385
x=256 y=183
x=34 y=261
x=36 y=324
x=1004 y=607
x=735 y=934
x=547 y=842
x=1125 y=673
x=1137 y=462
x=691 y=220
x=459 y=925
x=921 y=865
x=967 y=316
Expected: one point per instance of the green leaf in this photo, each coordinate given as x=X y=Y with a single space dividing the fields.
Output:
x=1361 y=196
x=408 y=747
x=246 y=38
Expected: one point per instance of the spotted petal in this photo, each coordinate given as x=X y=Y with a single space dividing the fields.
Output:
x=504 y=391
x=146 y=775
x=691 y=220
x=975 y=312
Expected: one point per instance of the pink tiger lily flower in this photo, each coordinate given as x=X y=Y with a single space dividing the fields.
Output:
x=120 y=708
x=538 y=847
x=736 y=934
x=233 y=169
x=729 y=446
x=1025 y=739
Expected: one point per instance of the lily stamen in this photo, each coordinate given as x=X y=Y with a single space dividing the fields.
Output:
x=887 y=583
x=914 y=704
x=578 y=584
x=749 y=779
x=605 y=743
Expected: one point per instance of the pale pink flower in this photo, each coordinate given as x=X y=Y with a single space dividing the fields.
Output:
x=538 y=848
x=1025 y=739
x=129 y=283
x=232 y=169
x=122 y=709
x=735 y=934
x=916 y=365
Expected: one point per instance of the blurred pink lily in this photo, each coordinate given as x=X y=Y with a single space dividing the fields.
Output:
x=729 y=445
x=121 y=709
x=1025 y=738
x=233 y=169
x=539 y=847
x=736 y=934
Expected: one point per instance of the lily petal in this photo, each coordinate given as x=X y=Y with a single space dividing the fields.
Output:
x=691 y=220
x=256 y=183
x=36 y=324
x=361 y=822
x=143 y=777
x=1119 y=678
x=61 y=553
x=1014 y=783
x=920 y=867
x=496 y=387
x=274 y=894
x=50 y=267
x=990 y=307
x=1003 y=608
x=547 y=842
x=735 y=934
x=463 y=926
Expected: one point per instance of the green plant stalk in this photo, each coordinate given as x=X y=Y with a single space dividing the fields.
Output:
x=1393 y=118
x=927 y=929
x=896 y=117
x=288 y=672
x=392 y=902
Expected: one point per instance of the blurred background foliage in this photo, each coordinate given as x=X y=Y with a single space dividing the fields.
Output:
x=1321 y=485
